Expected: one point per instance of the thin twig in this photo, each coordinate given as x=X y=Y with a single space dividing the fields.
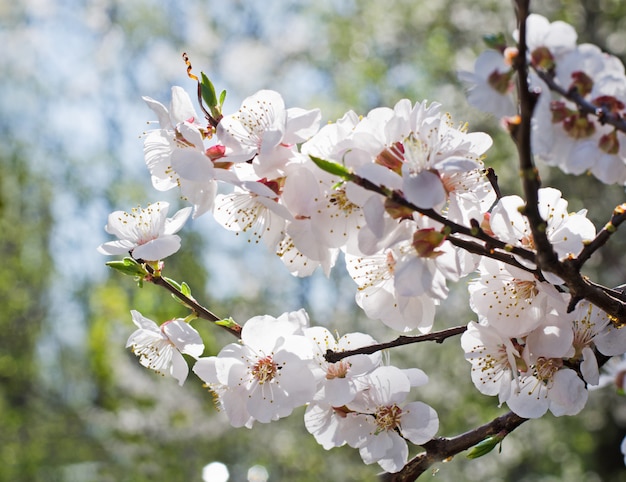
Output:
x=602 y=113
x=441 y=448
x=493 y=180
x=192 y=304
x=479 y=234
x=437 y=336
x=618 y=217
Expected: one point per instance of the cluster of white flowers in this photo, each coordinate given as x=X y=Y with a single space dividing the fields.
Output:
x=563 y=134
x=524 y=347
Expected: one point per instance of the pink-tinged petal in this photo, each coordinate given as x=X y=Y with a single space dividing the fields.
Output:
x=412 y=278
x=157 y=149
x=145 y=338
x=380 y=175
x=568 y=394
x=323 y=424
x=551 y=341
x=160 y=110
x=480 y=142
x=301 y=192
x=388 y=385
x=184 y=337
x=176 y=222
x=529 y=399
x=157 y=248
x=612 y=341
x=419 y=422
x=396 y=456
x=306 y=240
x=339 y=391
x=271 y=140
x=192 y=165
x=268 y=402
x=235 y=402
x=454 y=164
x=206 y=370
x=116 y=247
x=424 y=189
x=179 y=368
x=416 y=377
x=261 y=333
x=143 y=322
x=240 y=145
x=507 y=222
x=259 y=189
x=377 y=446
x=181 y=107
x=589 y=367
x=191 y=134
x=301 y=125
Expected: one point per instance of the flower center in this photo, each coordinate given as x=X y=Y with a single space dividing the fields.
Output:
x=264 y=370
x=525 y=289
x=546 y=368
x=337 y=370
x=388 y=418
x=341 y=201
x=417 y=154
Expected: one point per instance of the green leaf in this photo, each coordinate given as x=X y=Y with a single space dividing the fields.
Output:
x=228 y=323
x=222 y=98
x=495 y=41
x=185 y=289
x=174 y=283
x=485 y=446
x=129 y=267
x=333 y=168
x=208 y=91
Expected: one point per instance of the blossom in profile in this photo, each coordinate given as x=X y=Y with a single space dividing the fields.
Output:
x=490 y=87
x=146 y=234
x=161 y=348
x=176 y=154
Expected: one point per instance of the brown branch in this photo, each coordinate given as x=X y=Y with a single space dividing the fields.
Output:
x=482 y=250
x=493 y=180
x=521 y=133
x=437 y=336
x=441 y=448
x=454 y=228
x=201 y=311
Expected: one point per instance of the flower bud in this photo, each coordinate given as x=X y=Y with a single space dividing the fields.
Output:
x=425 y=242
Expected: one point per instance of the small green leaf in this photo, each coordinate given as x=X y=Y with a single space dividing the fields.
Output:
x=174 y=283
x=222 y=98
x=228 y=323
x=208 y=91
x=185 y=289
x=129 y=267
x=486 y=446
x=495 y=41
x=333 y=168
